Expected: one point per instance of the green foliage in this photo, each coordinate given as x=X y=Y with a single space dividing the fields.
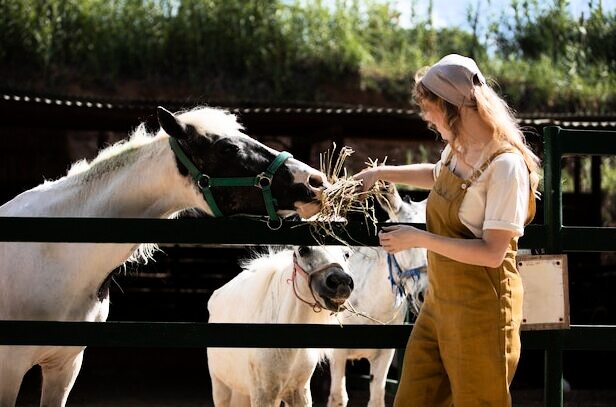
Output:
x=542 y=57
x=549 y=60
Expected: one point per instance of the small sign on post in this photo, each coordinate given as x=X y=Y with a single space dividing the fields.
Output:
x=546 y=291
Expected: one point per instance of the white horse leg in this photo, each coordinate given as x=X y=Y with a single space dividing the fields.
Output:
x=338 y=396
x=11 y=376
x=263 y=399
x=221 y=393
x=240 y=400
x=379 y=366
x=299 y=397
x=59 y=375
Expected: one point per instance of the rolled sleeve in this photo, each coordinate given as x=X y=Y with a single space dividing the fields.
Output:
x=507 y=195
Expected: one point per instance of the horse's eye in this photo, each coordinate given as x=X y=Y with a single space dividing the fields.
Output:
x=230 y=148
x=303 y=251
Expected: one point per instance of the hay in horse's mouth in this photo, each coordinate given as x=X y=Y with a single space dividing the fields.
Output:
x=334 y=304
x=307 y=210
x=338 y=301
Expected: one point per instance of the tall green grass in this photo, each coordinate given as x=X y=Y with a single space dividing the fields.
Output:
x=266 y=50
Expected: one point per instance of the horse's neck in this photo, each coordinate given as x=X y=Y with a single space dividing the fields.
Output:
x=147 y=185
x=412 y=212
x=373 y=292
x=141 y=182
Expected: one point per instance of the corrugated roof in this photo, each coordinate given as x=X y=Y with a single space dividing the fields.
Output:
x=587 y=120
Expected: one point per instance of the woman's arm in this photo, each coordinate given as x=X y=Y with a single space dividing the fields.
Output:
x=418 y=175
x=488 y=251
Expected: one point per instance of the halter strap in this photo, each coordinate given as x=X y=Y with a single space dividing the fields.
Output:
x=316 y=305
x=394 y=267
x=262 y=181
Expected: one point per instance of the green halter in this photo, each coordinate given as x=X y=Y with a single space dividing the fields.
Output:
x=263 y=181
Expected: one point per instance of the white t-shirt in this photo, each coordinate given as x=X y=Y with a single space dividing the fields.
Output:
x=498 y=199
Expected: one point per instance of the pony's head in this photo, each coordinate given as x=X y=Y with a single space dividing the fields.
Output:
x=399 y=210
x=213 y=141
x=327 y=271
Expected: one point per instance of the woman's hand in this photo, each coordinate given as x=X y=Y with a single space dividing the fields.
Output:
x=400 y=237
x=368 y=177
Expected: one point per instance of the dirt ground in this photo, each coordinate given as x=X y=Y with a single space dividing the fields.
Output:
x=179 y=378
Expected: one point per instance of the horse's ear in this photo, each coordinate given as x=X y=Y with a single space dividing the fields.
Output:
x=170 y=124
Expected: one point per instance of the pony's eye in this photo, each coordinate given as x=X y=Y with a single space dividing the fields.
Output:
x=230 y=148
x=303 y=251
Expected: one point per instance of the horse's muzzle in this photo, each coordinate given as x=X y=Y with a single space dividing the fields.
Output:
x=317 y=184
x=334 y=286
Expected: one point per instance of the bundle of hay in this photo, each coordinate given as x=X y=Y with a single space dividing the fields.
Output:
x=344 y=197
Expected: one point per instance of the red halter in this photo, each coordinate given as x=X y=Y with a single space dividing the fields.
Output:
x=316 y=305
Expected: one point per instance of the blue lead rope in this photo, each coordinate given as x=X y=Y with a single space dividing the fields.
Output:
x=394 y=266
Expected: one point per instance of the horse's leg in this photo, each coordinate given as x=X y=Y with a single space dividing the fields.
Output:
x=262 y=397
x=221 y=393
x=11 y=375
x=379 y=366
x=240 y=400
x=338 y=396
x=59 y=375
x=300 y=397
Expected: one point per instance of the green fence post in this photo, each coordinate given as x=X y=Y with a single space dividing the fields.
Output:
x=553 y=219
x=552 y=194
x=553 y=375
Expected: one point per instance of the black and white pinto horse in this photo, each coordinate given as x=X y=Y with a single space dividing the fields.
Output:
x=149 y=176
x=386 y=285
x=303 y=285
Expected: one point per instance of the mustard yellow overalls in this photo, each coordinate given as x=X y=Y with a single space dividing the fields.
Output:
x=465 y=345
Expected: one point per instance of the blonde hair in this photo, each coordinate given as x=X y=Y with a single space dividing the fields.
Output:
x=493 y=111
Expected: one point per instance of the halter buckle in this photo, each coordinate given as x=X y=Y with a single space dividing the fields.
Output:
x=203 y=181
x=274 y=224
x=263 y=180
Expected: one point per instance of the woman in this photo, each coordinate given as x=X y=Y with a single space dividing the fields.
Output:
x=465 y=345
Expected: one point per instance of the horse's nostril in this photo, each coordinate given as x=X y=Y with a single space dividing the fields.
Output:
x=315 y=181
x=335 y=281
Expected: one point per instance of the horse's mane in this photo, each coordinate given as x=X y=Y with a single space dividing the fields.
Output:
x=211 y=120
x=205 y=120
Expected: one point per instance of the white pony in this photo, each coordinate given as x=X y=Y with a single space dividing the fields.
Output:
x=385 y=286
x=291 y=286
x=135 y=179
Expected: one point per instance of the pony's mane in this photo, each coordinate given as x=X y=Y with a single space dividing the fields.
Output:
x=261 y=259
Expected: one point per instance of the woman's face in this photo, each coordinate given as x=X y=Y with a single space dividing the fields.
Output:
x=435 y=116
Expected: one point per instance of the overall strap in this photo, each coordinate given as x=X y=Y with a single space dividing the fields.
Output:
x=449 y=157
x=486 y=163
